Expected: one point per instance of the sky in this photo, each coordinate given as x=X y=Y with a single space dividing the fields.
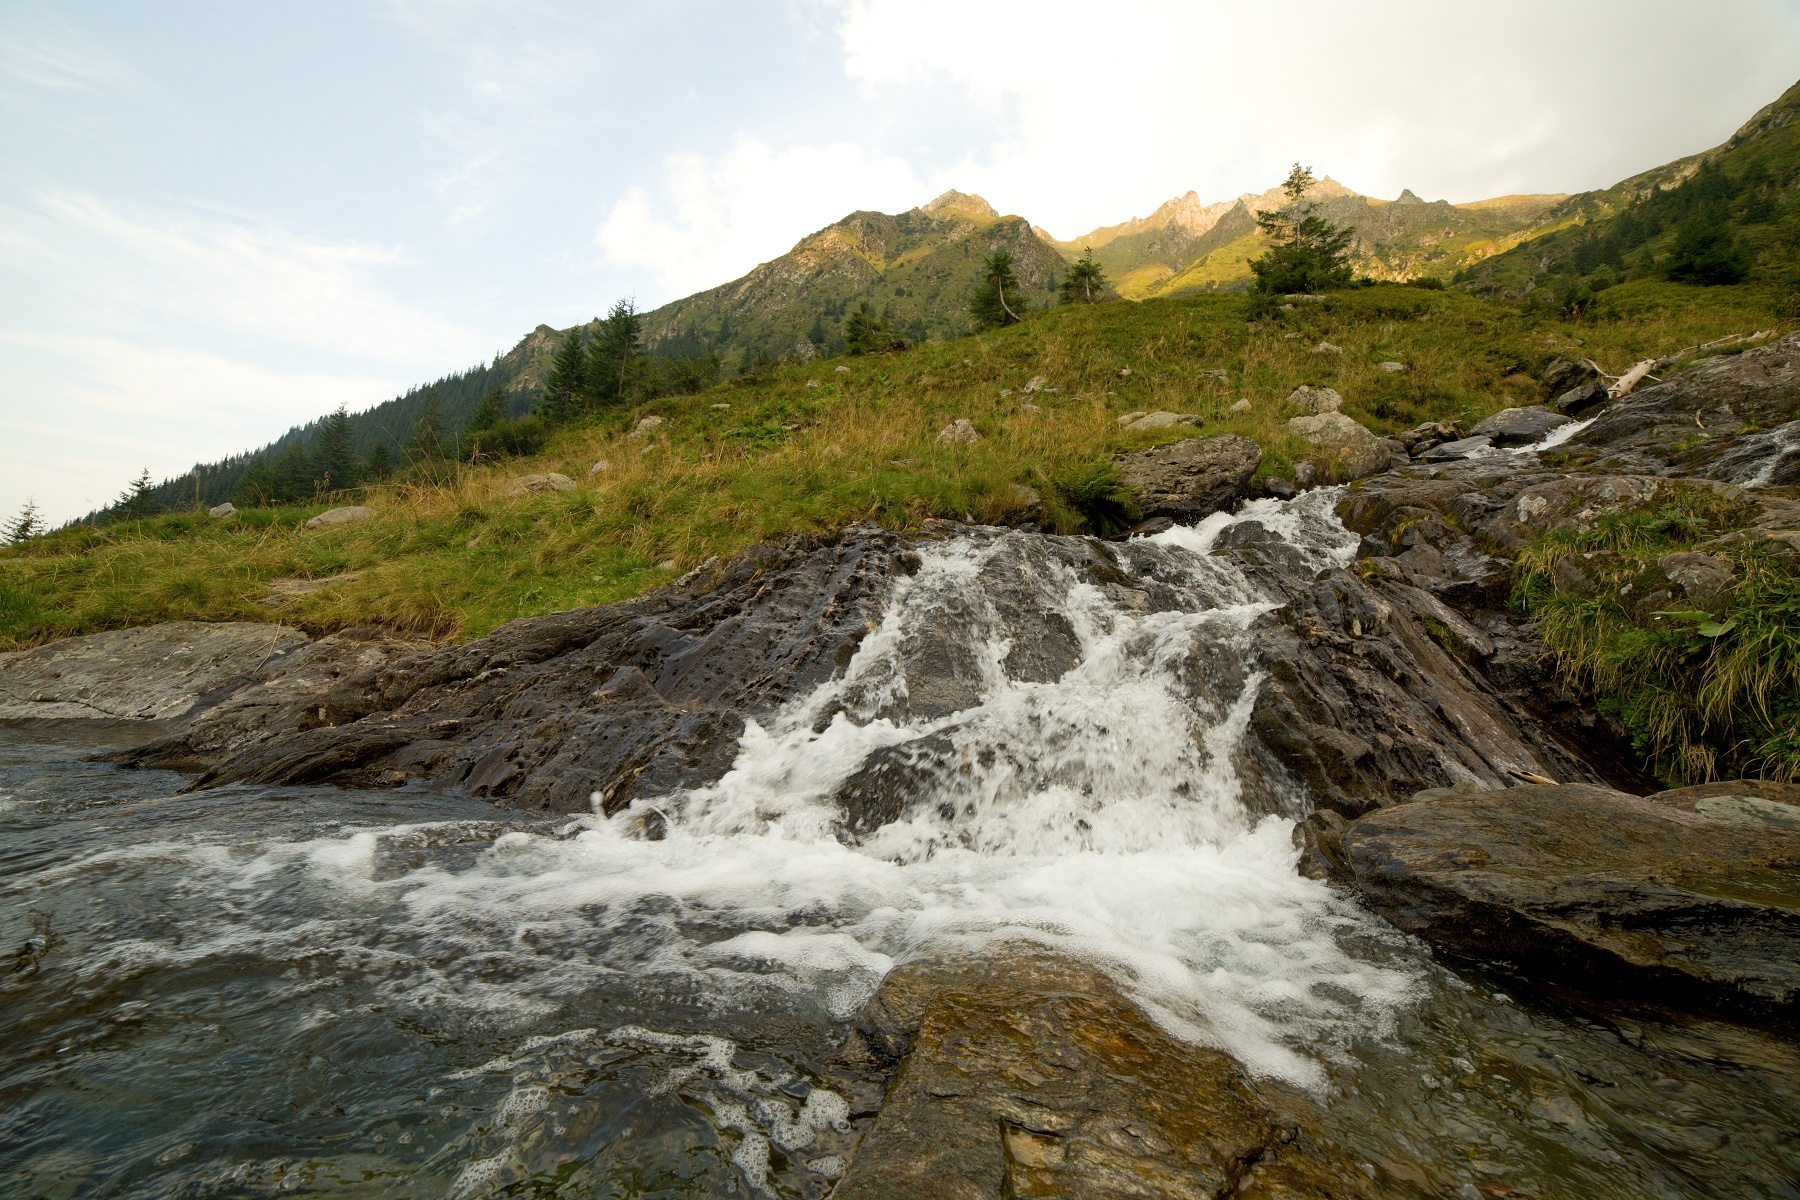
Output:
x=219 y=220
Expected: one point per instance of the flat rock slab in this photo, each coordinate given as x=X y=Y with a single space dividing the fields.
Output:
x=1693 y=895
x=1191 y=479
x=1519 y=426
x=158 y=672
x=1029 y=1074
x=341 y=516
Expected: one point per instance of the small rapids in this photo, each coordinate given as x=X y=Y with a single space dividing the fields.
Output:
x=261 y=990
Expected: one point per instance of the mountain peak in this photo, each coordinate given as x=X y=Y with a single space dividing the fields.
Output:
x=1407 y=197
x=955 y=203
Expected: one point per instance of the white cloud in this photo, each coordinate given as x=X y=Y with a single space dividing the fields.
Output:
x=711 y=220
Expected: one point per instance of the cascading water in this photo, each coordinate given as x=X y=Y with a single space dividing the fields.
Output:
x=411 y=994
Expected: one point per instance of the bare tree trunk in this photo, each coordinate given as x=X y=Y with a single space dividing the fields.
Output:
x=1625 y=383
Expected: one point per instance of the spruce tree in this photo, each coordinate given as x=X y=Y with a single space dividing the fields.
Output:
x=335 y=458
x=379 y=464
x=294 y=476
x=427 y=445
x=1086 y=282
x=866 y=333
x=565 y=381
x=256 y=486
x=27 y=525
x=613 y=360
x=1310 y=254
x=135 y=502
x=997 y=294
x=490 y=412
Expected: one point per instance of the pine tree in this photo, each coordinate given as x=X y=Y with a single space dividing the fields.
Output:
x=1310 y=254
x=490 y=412
x=294 y=477
x=565 y=381
x=1086 y=282
x=866 y=333
x=379 y=463
x=256 y=486
x=996 y=294
x=613 y=360
x=335 y=458
x=427 y=443
x=27 y=525
x=1705 y=252
x=135 y=501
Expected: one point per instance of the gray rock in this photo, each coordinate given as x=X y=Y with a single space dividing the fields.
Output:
x=1313 y=401
x=1393 y=368
x=1163 y=420
x=1191 y=479
x=1692 y=901
x=600 y=467
x=341 y=516
x=649 y=425
x=1581 y=398
x=223 y=510
x=155 y=673
x=1239 y=406
x=1560 y=375
x=960 y=432
x=1327 y=348
x=1421 y=438
x=1215 y=373
x=1462 y=448
x=1030 y=503
x=552 y=482
x=1397 y=452
x=1355 y=450
x=1705 y=579
x=1128 y=418
x=1518 y=426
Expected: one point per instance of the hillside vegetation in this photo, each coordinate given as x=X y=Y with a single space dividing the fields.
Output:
x=810 y=448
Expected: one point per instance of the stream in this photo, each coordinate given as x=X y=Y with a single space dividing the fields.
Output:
x=248 y=991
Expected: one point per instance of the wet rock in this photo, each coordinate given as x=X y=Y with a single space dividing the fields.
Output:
x=1518 y=426
x=1560 y=375
x=1277 y=488
x=553 y=482
x=960 y=432
x=1398 y=455
x=158 y=672
x=1581 y=398
x=1467 y=447
x=1191 y=479
x=1355 y=450
x=1312 y=401
x=1695 y=899
x=341 y=516
x=1163 y=420
x=1028 y=1074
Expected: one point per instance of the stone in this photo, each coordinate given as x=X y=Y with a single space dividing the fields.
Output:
x=1560 y=375
x=1218 y=374
x=1124 y=372
x=1327 y=348
x=1694 y=902
x=1354 y=450
x=1278 y=488
x=721 y=407
x=1193 y=478
x=1026 y=1073
x=1421 y=438
x=1312 y=401
x=341 y=516
x=1469 y=447
x=1518 y=426
x=812 y=383
x=600 y=467
x=1240 y=406
x=1035 y=384
x=223 y=510
x=284 y=592
x=552 y=482
x=1706 y=580
x=1392 y=368
x=152 y=673
x=1581 y=398
x=1129 y=417
x=841 y=367
x=1030 y=408
x=1163 y=420
x=1030 y=505
x=645 y=427
x=1397 y=452
x=960 y=432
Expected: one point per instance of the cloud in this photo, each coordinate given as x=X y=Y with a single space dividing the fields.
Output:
x=1093 y=114
x=710 y=220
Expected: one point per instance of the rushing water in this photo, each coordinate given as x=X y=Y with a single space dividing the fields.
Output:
x=411 y=993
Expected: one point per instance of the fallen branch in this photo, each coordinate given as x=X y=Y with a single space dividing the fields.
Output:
x=1625 y=383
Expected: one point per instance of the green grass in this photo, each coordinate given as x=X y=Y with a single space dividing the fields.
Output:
x=1705 y=694
x=810 y=449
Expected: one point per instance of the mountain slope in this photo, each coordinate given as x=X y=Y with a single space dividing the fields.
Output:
x=916 y=269
x=1748 y=187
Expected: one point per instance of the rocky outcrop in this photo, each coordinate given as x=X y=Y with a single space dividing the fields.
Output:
x=1689 y=896
x=1191 y=479
x=1025 y=1074
x=156 y=673
x=1350 y=447
x=1518 y=426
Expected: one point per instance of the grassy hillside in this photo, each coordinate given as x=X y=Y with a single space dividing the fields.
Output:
x=812 y=447
x=1739 y=200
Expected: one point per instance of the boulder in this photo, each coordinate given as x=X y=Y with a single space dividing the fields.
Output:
x=1692 y=898
x=1421 y=438
x=1191 y=479
x=552 y=482
x=1163 y=420
x=1581 y=398
x=1704 y=579
x=1560 y=375
x=153 y=673
x=1398 y=455
x=1519 y=426
x=1312 y=401
x=1029 y=1074
x=1327 y=348
x=960 y=432
x=1128 y=418
x=1239 y=406
x=223 y=510
x=1469 y=447
x=600 y=467
x=1392 y=368
x=648 y=426
x=1356 y=451
x=341 y=516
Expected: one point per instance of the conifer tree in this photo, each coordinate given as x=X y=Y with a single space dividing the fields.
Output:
x=866 y=333
x=613 y=360
x=1310 y=254
x=1086 y=283
x=565 y=381
x=995 y=296
x=27 y=525
x=335 y=459
x=256 y=486
x=427 y=443
x=379 y=463
x=294 y=476
x=490 y=412
x=135 y=501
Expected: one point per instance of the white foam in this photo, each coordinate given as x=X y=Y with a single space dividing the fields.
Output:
x=1556 y=437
